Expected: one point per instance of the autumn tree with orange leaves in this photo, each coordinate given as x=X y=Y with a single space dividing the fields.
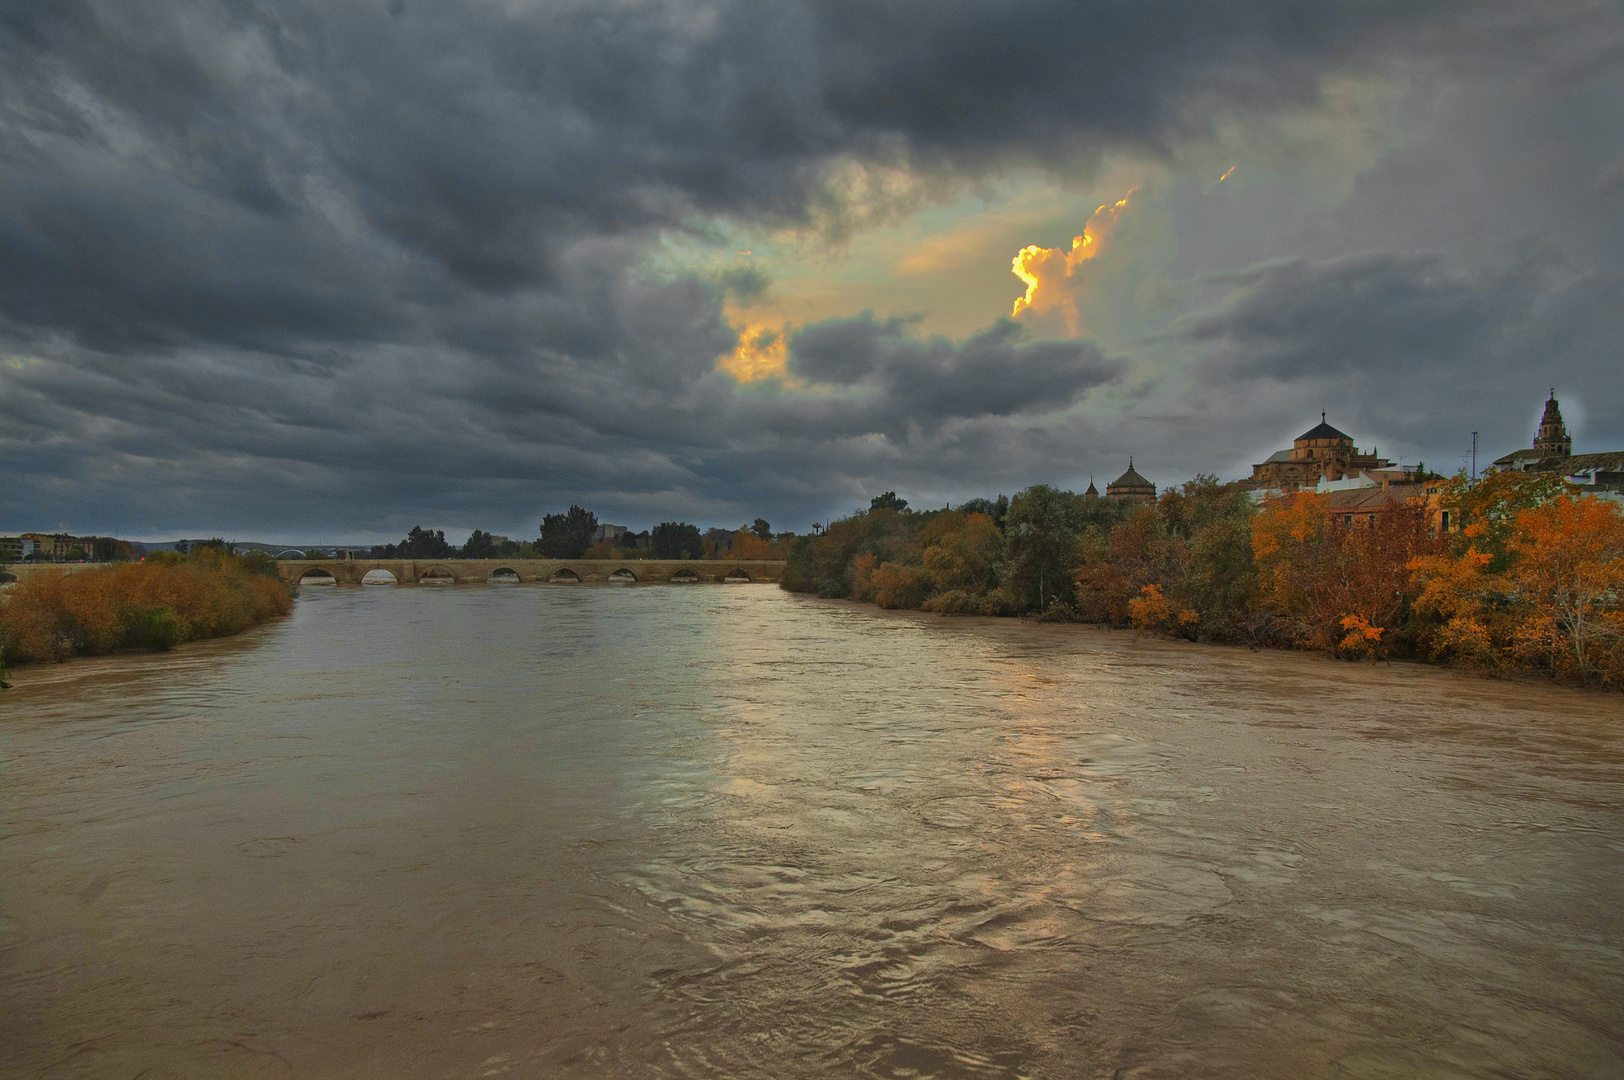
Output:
x=1338 y=588
x=1567 y=577
x=1535 y=580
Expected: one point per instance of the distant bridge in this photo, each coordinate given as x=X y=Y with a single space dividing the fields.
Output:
x=554 y=571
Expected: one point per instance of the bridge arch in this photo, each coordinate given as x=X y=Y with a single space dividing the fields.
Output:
x=379 y=576
x=318 y=575
x=290 y=553
x=564 y=576
x=684 y=577
x=623 y=576
x=437 y=575
x=736 y=575
x=504 y=575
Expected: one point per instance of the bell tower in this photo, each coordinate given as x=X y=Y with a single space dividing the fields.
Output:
x=1552 y=439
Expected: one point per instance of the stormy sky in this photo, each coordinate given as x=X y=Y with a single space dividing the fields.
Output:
x=284 y=270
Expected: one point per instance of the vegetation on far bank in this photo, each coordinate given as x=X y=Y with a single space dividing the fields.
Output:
x=1534 y=580
x=168 y=599
x=570 y=535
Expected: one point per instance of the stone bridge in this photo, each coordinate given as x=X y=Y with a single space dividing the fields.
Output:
x=554 y=571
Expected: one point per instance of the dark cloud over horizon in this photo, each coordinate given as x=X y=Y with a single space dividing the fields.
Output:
x=297 y=269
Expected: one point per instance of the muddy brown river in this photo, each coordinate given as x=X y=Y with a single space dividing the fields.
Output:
x=721 y=831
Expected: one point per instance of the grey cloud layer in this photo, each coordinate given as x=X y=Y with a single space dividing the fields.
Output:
x=993 y=373
x=342 y=267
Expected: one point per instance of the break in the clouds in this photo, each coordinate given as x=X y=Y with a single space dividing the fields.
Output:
x=312 y=270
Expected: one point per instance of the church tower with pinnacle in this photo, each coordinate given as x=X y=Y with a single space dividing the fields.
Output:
x=1552 y=440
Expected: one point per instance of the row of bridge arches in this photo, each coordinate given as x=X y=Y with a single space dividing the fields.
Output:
x=439 y=575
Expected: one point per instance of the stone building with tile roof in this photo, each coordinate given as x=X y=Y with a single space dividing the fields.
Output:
x=1320 y=453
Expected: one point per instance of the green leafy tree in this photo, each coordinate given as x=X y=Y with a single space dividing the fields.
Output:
x=482 y=545
x=997 y=509
x=567 y=535
x=421 y=543
x=1041 y=532
x=762 y=529
x=1219 y=582
x=888 y=501
x=676 y=540
x=798 y=575
x=1201 y=502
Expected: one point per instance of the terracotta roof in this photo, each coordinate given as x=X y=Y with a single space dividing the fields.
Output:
x=1520 y=455
x=1567 y=466
x=1371 y=498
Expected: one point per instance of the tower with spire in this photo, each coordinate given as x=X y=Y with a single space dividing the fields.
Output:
x=1552 y=439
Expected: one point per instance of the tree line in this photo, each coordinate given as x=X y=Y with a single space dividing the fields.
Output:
x=1531 y=577
x=572 y=534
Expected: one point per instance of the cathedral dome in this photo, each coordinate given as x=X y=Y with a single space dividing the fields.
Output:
x=1130 y=485
x=1322 y=430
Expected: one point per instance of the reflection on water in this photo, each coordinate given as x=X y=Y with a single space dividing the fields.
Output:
x=730 y=832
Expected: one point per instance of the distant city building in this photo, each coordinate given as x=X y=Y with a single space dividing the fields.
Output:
x=63 y=547
x=1320 y=453
x=1552 y=452
x=612 y=533
x=1094 y=492
x=1130 y=486
x=54 y=547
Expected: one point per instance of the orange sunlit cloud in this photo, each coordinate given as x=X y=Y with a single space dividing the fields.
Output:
x=762 y=352
x=1046 y=271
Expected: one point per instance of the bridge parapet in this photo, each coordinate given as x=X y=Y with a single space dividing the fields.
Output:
x=558 y=571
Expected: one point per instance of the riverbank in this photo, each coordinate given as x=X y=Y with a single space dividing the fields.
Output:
x=1533 y=581
x=152 y=605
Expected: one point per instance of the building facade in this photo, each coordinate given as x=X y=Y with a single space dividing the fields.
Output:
x=1320 y=453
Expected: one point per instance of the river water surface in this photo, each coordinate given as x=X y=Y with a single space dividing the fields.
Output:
x=725 y=831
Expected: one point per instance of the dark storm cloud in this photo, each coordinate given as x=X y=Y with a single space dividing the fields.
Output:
x=1419 y=351
x=1374 y=313
x=993 y=373
x=317 y=266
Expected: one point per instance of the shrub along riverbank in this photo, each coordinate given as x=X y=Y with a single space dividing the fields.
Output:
x=155 y=604
x=1534 y=580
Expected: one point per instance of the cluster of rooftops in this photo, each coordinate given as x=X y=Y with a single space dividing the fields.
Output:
x=1325 y=460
